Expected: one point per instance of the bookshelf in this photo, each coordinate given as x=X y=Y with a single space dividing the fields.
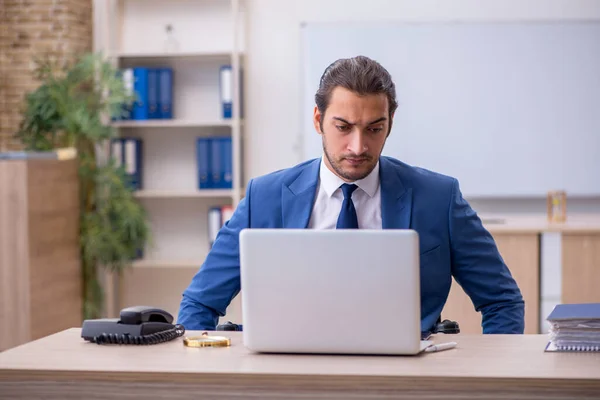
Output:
x=174 y=194
x=185 y=264
x=173 y=123
x=194 y=38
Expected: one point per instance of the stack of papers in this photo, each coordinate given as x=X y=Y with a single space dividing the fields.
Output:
x=575 y=327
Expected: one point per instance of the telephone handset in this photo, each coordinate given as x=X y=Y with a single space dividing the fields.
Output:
x=136 y=325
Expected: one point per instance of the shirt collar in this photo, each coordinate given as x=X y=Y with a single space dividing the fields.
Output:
x=331 y=182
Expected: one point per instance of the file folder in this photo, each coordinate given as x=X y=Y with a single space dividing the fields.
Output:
x=126 y=75
x=214 y=224
x=132 y=161
x=166 y=93
x=140 y=87
x=153 y=93
x=216 y=164
x=203 y=163
x=226 y=91
x=226 y=163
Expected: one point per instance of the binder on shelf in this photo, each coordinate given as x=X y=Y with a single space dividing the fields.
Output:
x=153 y=93
x=574 y=328
x=214 y=158
x=214 y=224
x=126 y=75
x=203 y=163
x=226 y=91
x=165 y=78
x=226 y=162
x=132 y=161
x=216 y=164
x=218 y=216
x=140 y=87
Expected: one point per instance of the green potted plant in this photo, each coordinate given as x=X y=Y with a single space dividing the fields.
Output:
x=70 y=109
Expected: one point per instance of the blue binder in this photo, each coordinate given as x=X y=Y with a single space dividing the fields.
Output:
x=226 y=163
x=153 y=93
x=226 y=91
x=216 y=165
x=140 y=87
x=166 y=93
x=203 y=162
x=132 y=162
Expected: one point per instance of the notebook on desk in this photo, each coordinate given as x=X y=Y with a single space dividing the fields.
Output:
x=574 y=328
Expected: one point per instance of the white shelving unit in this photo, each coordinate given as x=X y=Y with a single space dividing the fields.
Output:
x=181 y=194
x=203 y=36
x=174 y=123
x=184 y=264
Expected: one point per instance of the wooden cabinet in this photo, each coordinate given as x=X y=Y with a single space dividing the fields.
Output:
x=521 y=253
x=581 y=267
x=40 y=278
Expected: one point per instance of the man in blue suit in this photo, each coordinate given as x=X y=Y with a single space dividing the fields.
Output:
x=353 y=186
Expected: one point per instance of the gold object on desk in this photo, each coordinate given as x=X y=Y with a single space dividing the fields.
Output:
x=557 y=206
x=207 y=341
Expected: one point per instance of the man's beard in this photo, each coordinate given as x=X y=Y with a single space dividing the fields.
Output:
x=353 y=175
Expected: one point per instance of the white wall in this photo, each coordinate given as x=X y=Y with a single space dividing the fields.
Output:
x=273 y=91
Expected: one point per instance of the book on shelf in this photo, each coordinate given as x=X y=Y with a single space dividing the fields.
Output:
x=127 y=153
x=218 y=216
x=153 y=91
x=574 y=328
x=214 y=156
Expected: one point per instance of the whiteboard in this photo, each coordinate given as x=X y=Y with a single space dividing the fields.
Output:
x=509 y=109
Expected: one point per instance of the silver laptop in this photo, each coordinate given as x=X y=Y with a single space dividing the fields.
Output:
x=331 y=291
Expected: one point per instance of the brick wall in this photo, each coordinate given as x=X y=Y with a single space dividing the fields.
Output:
x=29 y=29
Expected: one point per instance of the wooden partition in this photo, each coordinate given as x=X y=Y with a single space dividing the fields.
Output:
x=581 y=267
x=521 y=253
x=40 y=278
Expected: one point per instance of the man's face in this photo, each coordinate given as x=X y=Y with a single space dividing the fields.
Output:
x=354 y=131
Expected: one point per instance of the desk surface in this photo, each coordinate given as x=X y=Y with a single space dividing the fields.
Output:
x=507 y=364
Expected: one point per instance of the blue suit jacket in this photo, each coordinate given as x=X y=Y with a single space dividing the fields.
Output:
x=452 y=240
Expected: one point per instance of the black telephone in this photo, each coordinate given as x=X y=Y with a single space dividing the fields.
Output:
x=136 y=325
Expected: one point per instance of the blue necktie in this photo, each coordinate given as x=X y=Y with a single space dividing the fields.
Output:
x=347 y=218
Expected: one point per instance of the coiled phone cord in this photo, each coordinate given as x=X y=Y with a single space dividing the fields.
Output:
x=154 y=338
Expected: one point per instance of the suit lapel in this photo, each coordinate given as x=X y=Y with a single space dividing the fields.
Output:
x=298 y=197
x=396 y=199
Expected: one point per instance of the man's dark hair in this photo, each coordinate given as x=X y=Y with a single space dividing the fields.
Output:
x=361 y=75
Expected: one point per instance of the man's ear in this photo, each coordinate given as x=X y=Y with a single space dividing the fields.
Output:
x=390 y=124
x=317 y=120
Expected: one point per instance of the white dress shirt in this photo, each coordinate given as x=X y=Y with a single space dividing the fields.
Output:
x=328 y=203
